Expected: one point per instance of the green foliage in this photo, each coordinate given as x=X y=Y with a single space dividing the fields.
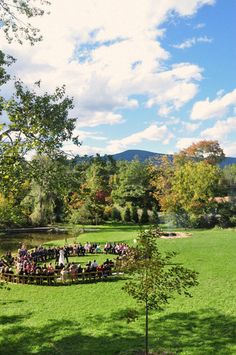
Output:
x=155 y=277
x=131 y=184
x=11 y=214
x=38 y=123
x=134 y=214
x=127 y=215
x=229 y=176
x=115 y=214
x=5 y=61
x=144 y=216
x=188 y=188
x=81 y=216
x=194 y=184
x=155 y=216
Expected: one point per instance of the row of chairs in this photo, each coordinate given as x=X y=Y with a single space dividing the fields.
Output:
x=57 y=279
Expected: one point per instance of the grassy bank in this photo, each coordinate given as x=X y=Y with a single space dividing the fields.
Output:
x=89 y=318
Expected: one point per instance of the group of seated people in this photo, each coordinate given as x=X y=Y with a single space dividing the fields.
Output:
x=33 y=263
x=74 y=270
x=42 y=254
x=113 y=248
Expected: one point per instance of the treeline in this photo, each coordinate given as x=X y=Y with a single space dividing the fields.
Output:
x=192 y=190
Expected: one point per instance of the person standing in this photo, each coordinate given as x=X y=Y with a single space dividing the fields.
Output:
x=61 y=257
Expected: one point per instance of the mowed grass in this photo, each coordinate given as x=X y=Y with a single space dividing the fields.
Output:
x=90 y=318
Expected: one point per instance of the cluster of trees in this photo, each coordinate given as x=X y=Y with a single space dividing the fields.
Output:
x=193 y=190
x=39 y=184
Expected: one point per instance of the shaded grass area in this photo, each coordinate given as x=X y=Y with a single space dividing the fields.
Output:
x=90 y=318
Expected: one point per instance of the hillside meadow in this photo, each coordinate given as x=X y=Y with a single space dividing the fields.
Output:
x=91 y=318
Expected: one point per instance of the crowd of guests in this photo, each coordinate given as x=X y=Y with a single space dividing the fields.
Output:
x=38 y=261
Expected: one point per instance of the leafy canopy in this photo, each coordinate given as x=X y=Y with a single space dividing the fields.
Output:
x=155 y=277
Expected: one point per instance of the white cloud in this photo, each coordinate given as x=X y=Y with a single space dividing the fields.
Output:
x=84 y=150
x=190 y=127
x=100 y=118
x=183 y=143
x=203 y=110
x=88 y=135
x=220 y=130
x=230 y=149
x=152 y=133
x=172 y=88
x=106 y=51
x=192 y=41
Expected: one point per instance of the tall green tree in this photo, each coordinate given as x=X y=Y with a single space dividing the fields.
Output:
x=144 y=216
x=131 y=184
x=38 y=124
x=186 y=188
x=194 y=186
x=50 y=183
x=155 y=277
x=127 y=214
x=134 y=214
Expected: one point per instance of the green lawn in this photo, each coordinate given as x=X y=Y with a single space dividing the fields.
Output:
x=89 y=318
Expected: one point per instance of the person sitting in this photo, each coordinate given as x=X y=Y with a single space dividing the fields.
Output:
x=93 y=266
x=74 y=271
x=64 y=274
x=79 y=269
x=50 y=269
x=98 y=249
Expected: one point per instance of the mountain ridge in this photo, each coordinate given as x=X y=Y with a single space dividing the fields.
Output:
x=143 y=155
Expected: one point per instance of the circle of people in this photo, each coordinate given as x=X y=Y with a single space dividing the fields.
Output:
x=29 y=262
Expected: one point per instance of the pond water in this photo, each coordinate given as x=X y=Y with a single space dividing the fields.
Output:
x=12 y=242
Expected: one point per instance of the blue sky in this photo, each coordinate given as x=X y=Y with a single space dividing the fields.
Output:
x=152 y=75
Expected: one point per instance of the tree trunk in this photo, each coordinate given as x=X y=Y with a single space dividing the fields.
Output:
x=146 y=336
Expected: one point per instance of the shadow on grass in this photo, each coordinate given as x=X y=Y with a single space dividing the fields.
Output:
x=203 y=332
x=3 y=303
x=11 y=319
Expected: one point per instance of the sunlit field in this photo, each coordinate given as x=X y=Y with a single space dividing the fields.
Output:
x=90 y=318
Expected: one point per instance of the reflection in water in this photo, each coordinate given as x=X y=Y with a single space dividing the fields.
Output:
x=12 y=242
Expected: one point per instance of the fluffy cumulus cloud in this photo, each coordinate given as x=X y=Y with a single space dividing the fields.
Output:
x=105 y=51
x=221 y=129
x=185 y=142
x=109 y=53
x=206 y=109
x=230 y=149
x=152 y=133
x=97 y=118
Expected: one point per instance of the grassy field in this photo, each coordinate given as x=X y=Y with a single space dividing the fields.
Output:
x=90 y=318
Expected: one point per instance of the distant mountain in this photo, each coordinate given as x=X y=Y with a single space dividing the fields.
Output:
x=143 y=155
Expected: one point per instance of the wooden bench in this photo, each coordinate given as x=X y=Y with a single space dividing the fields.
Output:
x=56 y=279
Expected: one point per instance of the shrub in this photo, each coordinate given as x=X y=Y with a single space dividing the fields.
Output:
x=115 y=214
x=134 y=214
x=81 y=216
x=144 y=216
x=155 y=217
x=127 y=215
